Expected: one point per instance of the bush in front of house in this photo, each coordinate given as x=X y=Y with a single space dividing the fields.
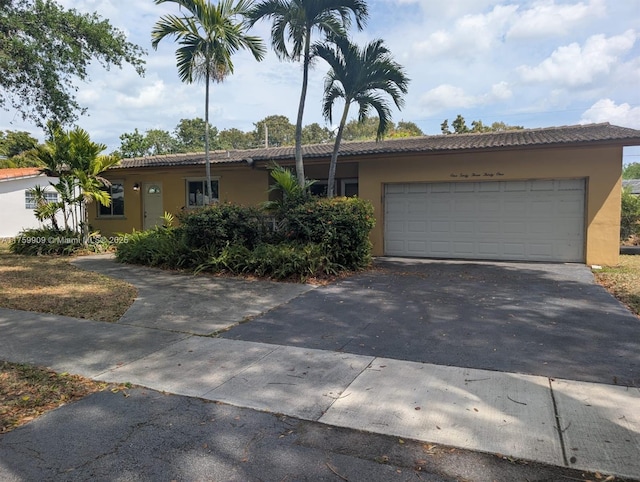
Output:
x=46 y=241
x=207 y=231
x=340 y=225
x=318 y=238
x=161 y=246
x=630 y=215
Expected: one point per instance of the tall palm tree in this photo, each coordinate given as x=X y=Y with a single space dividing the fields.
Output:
x=294 y=21
x=360 y=76
x=208 y=36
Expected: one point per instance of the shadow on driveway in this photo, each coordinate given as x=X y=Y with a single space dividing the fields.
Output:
x=542 y=319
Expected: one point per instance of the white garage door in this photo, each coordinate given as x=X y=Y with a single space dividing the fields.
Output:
x=540 y=220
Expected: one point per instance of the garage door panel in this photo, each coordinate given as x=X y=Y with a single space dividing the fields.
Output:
x=518 y=220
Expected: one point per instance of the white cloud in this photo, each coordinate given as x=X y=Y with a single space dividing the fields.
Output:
x=546 y=18
x=447 y=96
x=573 y=65
x=147 y=97
x=606 y=110
x=469 y=35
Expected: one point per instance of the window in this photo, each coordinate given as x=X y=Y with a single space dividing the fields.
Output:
x=195 y=192
x=349 y=187
x=30 y=199
x=116 y=208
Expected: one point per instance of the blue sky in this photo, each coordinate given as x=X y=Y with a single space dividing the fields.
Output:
x=535 y=63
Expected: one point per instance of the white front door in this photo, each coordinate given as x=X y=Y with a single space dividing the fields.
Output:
x=152 y=204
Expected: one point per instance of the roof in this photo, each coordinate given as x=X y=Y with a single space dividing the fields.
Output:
x=547 y=137
x=11 y=173
x=632 y=184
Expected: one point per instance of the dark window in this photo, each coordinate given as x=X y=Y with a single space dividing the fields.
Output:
x=196 y=195
x=116 y=208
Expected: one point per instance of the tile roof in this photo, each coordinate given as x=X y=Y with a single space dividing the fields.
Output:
x=633 y=184
x=551 y=136
x=18 y=172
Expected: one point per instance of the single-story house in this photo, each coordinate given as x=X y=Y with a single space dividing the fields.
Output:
x=549 y=194
x=17 y=204
x=633 y=185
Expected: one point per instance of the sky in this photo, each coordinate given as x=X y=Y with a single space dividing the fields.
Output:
x=534 y=63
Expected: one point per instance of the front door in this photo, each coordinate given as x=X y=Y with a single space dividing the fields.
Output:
x=152 y=205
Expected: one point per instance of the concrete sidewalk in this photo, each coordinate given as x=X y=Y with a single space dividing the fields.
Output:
x=581 y=425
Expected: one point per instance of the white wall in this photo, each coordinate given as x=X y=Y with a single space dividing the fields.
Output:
x=14 y=216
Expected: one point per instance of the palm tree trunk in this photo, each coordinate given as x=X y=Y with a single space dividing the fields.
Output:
x=336 y=147
x=207 y=162
x=303 y=97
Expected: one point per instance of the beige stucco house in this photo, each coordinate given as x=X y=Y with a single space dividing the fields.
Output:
x=548 y=194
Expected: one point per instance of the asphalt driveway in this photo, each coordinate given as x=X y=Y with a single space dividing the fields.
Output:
x=541 y=319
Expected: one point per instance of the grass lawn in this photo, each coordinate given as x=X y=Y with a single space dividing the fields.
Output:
x=50 y=284
x=623 y=281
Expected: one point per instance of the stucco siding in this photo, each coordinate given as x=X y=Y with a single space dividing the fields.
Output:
x=599 y=166
x=238 y=184
x=14 y=216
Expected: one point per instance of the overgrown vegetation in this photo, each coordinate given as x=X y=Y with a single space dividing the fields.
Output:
x=298 y=237
x=623 y=281
x=630 y=216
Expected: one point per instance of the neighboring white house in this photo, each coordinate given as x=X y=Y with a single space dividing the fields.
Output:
x=16 y=204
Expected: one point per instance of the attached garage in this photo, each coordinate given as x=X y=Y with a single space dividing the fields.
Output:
x=532 y=220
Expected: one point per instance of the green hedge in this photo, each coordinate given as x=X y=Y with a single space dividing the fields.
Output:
x=341 y=225
x=319 y=237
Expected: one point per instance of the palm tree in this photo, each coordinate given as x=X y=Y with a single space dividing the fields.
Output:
x=359 y=76
x=208 y=36
x=75 y=159
x=294 y=21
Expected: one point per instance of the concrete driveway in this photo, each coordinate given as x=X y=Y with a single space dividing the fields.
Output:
x=541 y=319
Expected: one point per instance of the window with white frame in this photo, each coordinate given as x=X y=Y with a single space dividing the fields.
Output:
x=30 y=198
x=196 y=196
x=116 y=208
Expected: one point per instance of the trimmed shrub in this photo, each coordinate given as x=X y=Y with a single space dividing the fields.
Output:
x=340 y=225
x=210 y=229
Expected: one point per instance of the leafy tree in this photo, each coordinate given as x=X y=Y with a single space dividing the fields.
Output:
x=133 y=144
x=630 y=215
x=44 y=48
x=631 y=171
x=236 y=139
x=407 y=129
x=360 y=76
x=281 y=132
x=76 y=161
x=315 y=134
x=15 y=148
x=13 y=143
x=295 y=21
x=208 y=36
x=361 y=129
x=160 y=142
x=190 y=135
x=460 y=126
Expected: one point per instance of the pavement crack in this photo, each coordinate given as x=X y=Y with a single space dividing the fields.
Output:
x=558 y=424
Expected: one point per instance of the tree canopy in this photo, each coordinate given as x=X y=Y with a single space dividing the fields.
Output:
x=459 y=125
x=14 y=149
x=45 y=49
x=631 y=171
